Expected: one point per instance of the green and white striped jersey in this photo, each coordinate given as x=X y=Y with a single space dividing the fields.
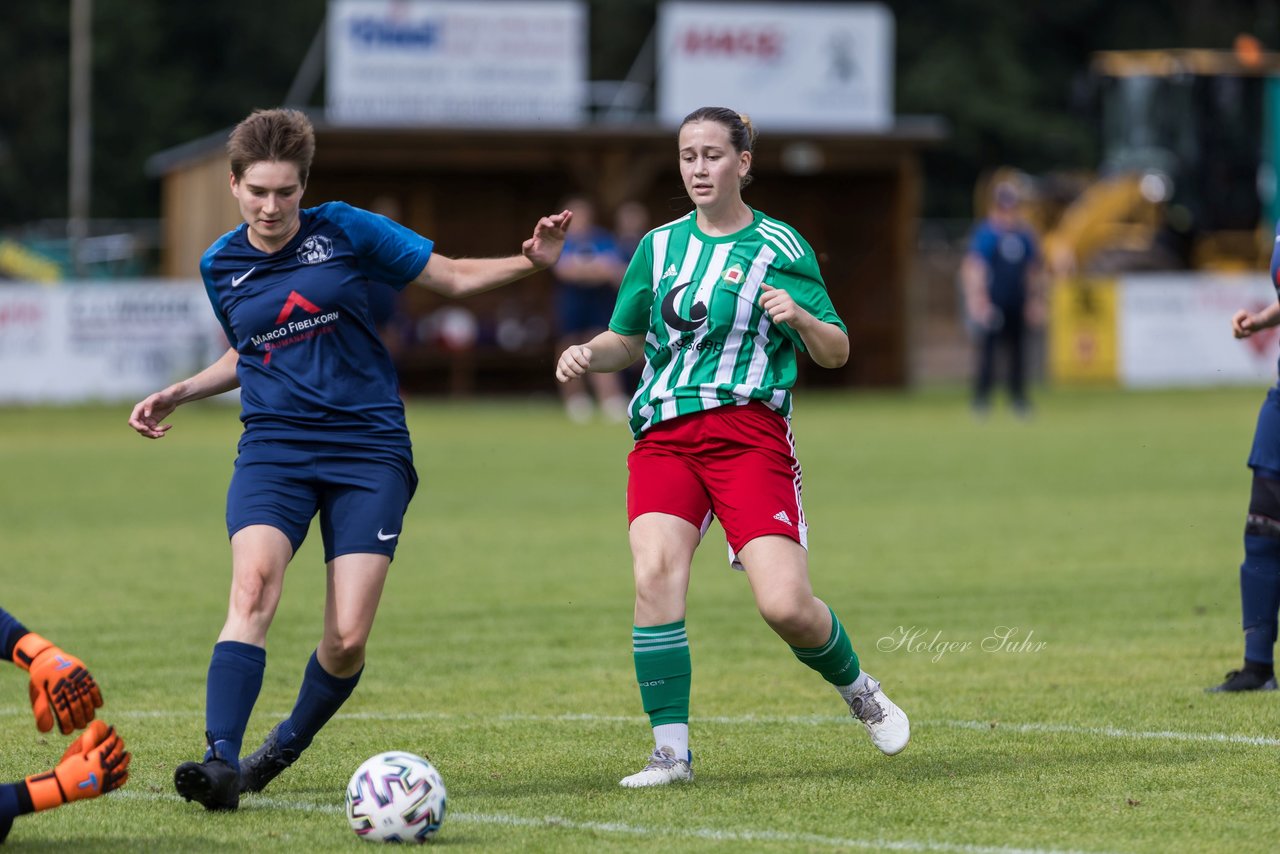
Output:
x=707 y=341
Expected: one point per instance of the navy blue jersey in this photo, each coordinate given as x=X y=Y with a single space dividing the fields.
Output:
x=1009 y=255
x=311 y=366
x=587 y=247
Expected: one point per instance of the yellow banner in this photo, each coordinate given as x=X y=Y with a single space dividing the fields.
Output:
x=1083 y=319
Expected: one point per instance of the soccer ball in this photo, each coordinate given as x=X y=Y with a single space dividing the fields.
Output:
x=396 y=797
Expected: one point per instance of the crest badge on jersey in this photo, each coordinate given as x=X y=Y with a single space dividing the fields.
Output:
x=315 y=249
x=733 y=275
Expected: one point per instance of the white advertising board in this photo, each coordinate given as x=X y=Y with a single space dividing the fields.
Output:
x=1175 y=330
x=456 y=62
x=806 y=66
x=115 y=341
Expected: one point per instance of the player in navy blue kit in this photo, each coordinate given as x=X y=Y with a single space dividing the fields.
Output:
x=1260 y=571
x=1001 y=279
x=324 y=428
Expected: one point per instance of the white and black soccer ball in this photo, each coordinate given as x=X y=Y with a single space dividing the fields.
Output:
x=396 y=797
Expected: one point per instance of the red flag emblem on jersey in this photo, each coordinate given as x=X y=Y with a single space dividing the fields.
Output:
x=296 y=299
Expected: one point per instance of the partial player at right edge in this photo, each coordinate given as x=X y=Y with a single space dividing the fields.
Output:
x=1260 y=571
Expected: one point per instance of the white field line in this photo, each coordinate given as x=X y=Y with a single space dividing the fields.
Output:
x=1114 y=732
x=552 y=822
x=737 y=720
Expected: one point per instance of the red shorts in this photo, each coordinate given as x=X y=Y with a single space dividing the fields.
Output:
x=736 y=463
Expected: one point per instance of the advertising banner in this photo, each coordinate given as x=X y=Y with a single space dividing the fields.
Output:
x=114 y=341
x=1175 y=330
x=456 y=62
x=807 y=66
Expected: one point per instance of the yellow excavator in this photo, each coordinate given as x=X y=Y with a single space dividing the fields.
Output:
x=1187 y=178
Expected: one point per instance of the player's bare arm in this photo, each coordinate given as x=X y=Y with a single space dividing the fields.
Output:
x=605 y=353
x=148 y=416
x=460 y=277
x=828 y=345
x=973 y=276
x=1244 y=323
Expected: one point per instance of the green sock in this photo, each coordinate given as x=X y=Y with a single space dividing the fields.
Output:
x=835 y=660
x=663 y=670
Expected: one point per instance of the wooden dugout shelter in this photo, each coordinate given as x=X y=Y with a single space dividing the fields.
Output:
x=477 y=192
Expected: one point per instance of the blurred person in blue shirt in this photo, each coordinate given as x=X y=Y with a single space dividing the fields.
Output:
x=587 y=278
x=1001 y=276
x=630 y=225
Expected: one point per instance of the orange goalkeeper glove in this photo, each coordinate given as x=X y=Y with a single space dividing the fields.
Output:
x=61 y=686
x=94 y=764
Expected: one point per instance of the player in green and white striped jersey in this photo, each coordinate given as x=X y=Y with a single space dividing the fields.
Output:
x=708 y=340
x=718 y=302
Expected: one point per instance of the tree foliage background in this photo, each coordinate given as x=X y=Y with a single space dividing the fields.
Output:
x=1007 y=77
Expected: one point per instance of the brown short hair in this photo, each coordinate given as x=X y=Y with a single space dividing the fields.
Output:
x=284 y=136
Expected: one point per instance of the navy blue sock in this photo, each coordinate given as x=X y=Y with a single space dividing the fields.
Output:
x=235 y=678
x=1260 y=596
x=320 y=696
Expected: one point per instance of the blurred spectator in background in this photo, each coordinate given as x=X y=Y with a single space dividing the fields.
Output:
x=587 y=278
x=391 y=319
x=630 y=225
x=1002 y=277
x=631 y=222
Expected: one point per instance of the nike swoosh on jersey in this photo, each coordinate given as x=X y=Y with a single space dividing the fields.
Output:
x=236 y=280
x=385 y=537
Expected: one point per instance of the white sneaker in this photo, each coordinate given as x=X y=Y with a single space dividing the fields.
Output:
x=886 y=723
x=614 y=409
x=663 y=768
x=579 y=408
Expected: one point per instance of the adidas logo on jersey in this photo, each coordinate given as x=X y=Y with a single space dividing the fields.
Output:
x=671 y=271
x=782 y=516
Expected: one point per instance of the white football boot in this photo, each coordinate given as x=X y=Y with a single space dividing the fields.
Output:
x=663 y=768
x=886 y=723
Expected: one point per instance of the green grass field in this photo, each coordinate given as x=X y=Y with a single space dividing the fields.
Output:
x=1104 y=537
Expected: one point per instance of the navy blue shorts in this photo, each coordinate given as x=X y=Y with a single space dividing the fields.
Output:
x=581 y=310
x=361 y=494
x=1264 y=456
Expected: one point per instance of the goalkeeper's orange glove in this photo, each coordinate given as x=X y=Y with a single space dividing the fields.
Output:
x=94 y=764
x=61 y=686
